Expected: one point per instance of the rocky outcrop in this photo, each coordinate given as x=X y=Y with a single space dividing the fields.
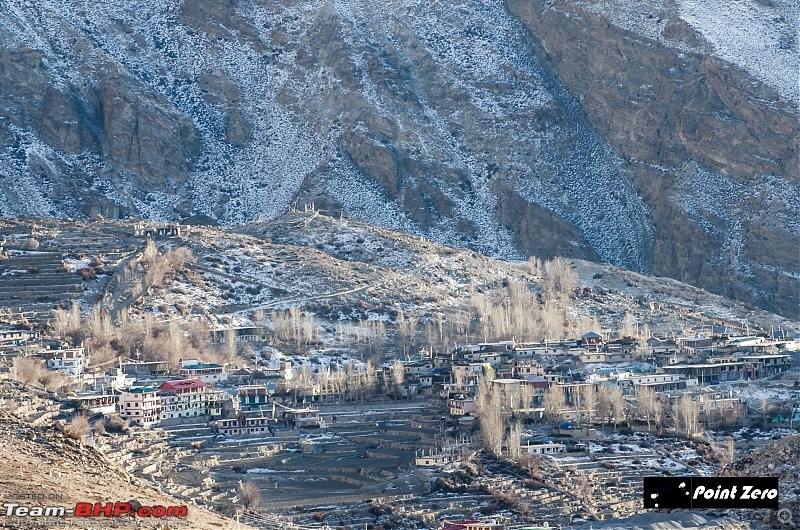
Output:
x=664 y=103
x=513 y=128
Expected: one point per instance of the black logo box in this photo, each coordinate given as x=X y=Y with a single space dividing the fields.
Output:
x=711 y=492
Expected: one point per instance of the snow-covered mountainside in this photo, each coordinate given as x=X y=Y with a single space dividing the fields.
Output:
x=471 y=122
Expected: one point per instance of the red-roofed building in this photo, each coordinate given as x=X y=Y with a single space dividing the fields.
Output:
x=185 y=398
x=183 y=386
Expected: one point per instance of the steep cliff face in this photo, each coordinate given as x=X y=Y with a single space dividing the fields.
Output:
x=711 y=147
x=515 y=129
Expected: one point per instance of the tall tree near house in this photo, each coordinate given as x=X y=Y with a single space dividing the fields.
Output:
x=658 y=415
x=229 y=346
x=552 y=401
x=604 y=407
x=525 y=397
x=628 y=328
x=514 y=439
x=460 y=379
x=763 y=403
x=617 y=405
x=379 y=329
x=577 y=402
x=398 y=373
x=490 y=416
x=645 y=403
x=407 y=332
x=589 y=401
x=687 y=414
x=369 y=378
x=551 y=321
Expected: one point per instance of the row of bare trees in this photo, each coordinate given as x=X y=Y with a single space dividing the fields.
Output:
x=352 y=382
x=608 y=405
x=493 y=422
x=519 y=311
x=146 y=338
x=611 y=405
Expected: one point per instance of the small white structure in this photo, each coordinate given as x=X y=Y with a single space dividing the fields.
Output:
x=207 y=372
x=543 y=449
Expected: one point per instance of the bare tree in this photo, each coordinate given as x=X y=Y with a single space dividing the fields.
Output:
x=490 y=415
x=525 y=397
x=513 y=439
x=249 y=495
x=604 y=407
x=78 y=426
x=687 y=414
x=629 y=327
x=407 y=329
x=29 y=370
x=646 y=403
x=559 y=280
x=552 y=401
x=658 y=415
x=588 y=401
x=398 y=373
x=763 y=403
x=617 y=405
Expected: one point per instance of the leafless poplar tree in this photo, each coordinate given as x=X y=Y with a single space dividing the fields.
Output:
x=687 y=413
x=514 y=439
x=588 y=401
x=398 y=375
x=490 y=415
x=525 y=397
x=646 y=403
x=552 y=401
x=618 y=405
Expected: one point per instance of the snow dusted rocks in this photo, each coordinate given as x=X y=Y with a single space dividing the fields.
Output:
x=466 y=121
x=709 y=137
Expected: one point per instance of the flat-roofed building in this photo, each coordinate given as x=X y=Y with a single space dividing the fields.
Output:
x=207 y=372
x=140 y=406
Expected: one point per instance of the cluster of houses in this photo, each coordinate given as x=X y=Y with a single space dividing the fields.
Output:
x=246 y=401
x=670 y=368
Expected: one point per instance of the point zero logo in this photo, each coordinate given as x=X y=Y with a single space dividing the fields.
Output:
x=711 y=492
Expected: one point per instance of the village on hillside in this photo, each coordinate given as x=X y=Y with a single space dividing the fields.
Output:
x=282 y=424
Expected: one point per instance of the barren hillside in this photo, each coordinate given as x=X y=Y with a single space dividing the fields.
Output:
x=40 y=463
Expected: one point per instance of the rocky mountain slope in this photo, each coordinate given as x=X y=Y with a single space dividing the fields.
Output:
x=642 y=137
x=339 y=270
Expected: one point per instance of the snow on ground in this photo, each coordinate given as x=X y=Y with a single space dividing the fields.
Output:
x=759 y=37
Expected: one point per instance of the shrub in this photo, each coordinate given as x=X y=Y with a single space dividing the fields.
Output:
x=86 y=273
x=249 y=494
x=115 y=424
x=78 y=427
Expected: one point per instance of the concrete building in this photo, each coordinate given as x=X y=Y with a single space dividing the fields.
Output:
x=208 y=373
x=72 y=361
x=188 y=398
x=140 y=406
